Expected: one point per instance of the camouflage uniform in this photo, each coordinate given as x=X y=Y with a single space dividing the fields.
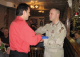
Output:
x=56 y=34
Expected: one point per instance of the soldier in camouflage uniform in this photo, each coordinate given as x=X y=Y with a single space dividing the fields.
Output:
x=56 y=32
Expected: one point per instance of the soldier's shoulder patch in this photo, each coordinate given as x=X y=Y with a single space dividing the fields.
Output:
x=61 y=29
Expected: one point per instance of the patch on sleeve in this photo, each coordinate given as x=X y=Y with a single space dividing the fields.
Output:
x=61 y=29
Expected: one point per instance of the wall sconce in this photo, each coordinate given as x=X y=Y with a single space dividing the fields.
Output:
x=41 y=11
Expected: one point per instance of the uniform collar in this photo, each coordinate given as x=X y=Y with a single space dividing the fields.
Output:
x=55 y=24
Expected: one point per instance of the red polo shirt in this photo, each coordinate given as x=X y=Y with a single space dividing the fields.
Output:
x=22 y=36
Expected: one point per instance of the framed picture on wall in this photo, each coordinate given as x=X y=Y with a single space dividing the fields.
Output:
x=38 y=21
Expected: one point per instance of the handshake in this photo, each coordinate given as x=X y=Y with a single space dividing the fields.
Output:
x=43 y=37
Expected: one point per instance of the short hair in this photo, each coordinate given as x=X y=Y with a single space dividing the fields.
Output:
x=21 y=7
x=58 y=11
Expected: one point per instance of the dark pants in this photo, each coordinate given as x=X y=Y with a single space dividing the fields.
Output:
x=17 y=54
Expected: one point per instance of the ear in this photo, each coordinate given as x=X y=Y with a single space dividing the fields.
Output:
x=24 y=12
x=58 y=14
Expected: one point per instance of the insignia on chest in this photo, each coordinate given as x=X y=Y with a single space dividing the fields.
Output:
x=52 y=31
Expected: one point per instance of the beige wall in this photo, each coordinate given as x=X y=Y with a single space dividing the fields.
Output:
x=9 y=4
x=2 y=2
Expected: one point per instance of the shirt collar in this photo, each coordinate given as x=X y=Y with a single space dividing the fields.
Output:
x=55 y=24
x=20 y=18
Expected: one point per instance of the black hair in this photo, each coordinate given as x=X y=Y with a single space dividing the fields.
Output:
x=21 y=7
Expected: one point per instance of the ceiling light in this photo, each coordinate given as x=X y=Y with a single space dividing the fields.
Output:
x=34 y=4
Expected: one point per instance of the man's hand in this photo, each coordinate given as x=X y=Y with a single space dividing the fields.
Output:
x=42 y=35
x=39 y=34
x=42 y=40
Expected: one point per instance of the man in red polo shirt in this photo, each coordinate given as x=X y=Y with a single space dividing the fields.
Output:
x=21 y=35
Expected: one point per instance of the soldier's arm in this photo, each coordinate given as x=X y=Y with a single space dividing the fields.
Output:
x=60 y=37
x=42 y=29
